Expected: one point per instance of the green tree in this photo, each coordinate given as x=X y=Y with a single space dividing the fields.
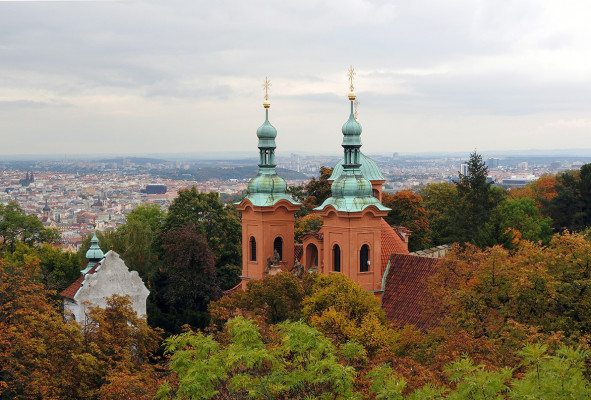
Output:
x=16 y=226
x=560 y=376
x=442 y=204
x=58 y=268
x=477 y=200
x=515 y=219
x=298 y=363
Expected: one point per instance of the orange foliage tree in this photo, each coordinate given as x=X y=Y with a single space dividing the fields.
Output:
x=409 y=211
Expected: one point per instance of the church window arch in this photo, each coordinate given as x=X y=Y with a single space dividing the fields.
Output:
x=336 y=258
x=253 y=249
x=278 y=246
x=364 y=258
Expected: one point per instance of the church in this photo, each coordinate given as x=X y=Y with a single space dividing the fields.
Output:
x=354 y=239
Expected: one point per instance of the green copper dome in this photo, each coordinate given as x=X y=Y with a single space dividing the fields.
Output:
x=267 y=133
x=368 y=168
x=351 y=131
x=94 y=252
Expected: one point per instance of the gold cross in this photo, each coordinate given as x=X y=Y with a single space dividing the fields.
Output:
x=266 y=86
x=356 y=104
x=351 y=74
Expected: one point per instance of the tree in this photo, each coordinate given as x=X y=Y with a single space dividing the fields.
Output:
x=477 y=200
x=121 y=341
x=442 y=204
x=186 y=283
x=15 y=226
x=41 y=355
x=318 y=190
x=408 y=211
x=58 y=268
x=298 y=363
x=513 y=220
x=275 y=298
x=220 y=224
x=306 y=224
x=344 y=311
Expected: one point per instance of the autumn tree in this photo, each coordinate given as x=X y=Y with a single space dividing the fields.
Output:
x=41 y=356
x=220 y=223
x=408 y=210
x=275 y=298
x=186 y=283
x=306 y=224
x=122 y=343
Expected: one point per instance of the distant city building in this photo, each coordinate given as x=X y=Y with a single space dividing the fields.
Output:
x=464 y=170
x=154 y=189
x=517 y=181
x=492 y=163
x=522 y=165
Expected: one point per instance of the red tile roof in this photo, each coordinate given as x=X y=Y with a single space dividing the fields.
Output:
x=71 y=290
x=391 y=244
x=406 y=299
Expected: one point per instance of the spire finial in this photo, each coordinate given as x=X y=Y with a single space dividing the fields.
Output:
x=266 y=86
x=356 y=113
x=351 y=74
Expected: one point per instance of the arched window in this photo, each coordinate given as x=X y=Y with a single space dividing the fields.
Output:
x=364 y=258
x=253 y=249
x=375 y=193
x=336 y=258
x=278 y=247
x=311 y=256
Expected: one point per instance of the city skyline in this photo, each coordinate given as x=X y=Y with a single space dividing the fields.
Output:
x=132 y=78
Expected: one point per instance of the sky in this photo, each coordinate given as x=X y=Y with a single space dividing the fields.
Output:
x=143 y=77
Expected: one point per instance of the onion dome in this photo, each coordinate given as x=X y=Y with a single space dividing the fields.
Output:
x=46 y=207
x=267 y=132
x=368 y=168
x=94 y=253
x=351 y=130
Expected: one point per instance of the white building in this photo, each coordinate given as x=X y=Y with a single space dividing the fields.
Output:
x=102 y=278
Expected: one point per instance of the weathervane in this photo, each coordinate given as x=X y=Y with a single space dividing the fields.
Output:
x=266 y=86
x=351 y=74
x=356 y=104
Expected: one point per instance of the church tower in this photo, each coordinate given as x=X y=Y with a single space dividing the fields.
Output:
x=267 y=211
x=352 y=227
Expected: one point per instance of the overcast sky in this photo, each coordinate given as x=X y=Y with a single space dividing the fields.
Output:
x=186 y=76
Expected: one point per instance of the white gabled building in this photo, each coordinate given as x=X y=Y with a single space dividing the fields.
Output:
x=104 y=276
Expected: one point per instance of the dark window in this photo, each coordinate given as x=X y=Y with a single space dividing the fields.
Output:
x=364 y=258
x=253 y=249
x=336 y=258
x=278 y=247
